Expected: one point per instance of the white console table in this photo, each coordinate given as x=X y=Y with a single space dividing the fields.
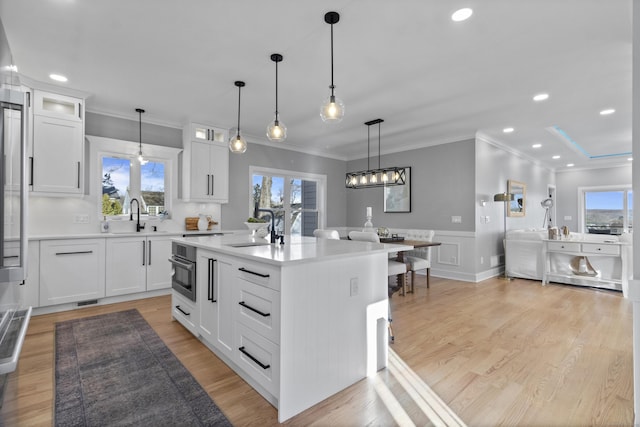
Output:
x=587 y=249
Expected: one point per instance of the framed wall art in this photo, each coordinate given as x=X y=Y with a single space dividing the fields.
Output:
x=397 y=198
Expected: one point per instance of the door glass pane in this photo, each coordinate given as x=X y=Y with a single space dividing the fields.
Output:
x=604 y=212
x=116 y=174
x=152 y=187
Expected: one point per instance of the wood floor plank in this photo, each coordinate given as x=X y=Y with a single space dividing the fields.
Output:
x=497 y=352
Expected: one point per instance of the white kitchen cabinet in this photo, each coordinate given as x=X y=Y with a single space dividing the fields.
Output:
x=57 y=147
x=126 y=271
x=71 y=270
x=137 y=264
x=185 y=311
x=215 y=279
x=158 y=265
x=57 y=106
x=205 y=164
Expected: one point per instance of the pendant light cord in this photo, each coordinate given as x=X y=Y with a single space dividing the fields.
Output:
x=368 y=143
x=332 y=86
x=276 y=91
x=239 y=88
x=379 y=145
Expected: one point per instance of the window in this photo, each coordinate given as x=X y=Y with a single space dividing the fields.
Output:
x=606 y=210
x=121 y=178
x=296 y=199
x=124 y=179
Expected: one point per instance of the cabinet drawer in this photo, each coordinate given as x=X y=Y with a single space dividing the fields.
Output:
x=258 y=357
x=258 y=308
x=563 y=246
x=184 y=311
x=596 y=248
x=260 y=274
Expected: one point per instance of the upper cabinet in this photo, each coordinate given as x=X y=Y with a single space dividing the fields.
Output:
x=57 y=148
x=205 y=164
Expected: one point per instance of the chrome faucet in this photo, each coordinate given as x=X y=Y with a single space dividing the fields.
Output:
x=274 y=235
x=138 y=226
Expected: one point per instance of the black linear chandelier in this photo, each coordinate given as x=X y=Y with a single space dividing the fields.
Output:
x=380 y=177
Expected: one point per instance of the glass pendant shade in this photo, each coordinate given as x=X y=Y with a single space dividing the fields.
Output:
x=237 y=144
x=276 y=131
x=332 y=110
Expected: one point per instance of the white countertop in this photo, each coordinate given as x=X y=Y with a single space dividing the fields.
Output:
x=296 y=249
x=123 y=234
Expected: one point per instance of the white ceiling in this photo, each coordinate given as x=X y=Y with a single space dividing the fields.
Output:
x=431 y=79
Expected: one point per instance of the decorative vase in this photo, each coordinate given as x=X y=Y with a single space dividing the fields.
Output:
x=203 y=222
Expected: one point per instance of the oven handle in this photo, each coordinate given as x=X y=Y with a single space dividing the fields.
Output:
x=188 y=266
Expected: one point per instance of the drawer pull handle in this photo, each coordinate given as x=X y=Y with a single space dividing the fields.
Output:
x=262 y=365
x=253 y=272
x=242 y=303
x=74 y=253
x=182 y=311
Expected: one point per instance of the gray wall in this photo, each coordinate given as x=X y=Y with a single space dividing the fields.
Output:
x=442 y=185
x=236 y=211
x=128 y=130
x=569 y=181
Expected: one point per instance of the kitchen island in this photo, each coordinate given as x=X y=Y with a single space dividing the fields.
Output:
x=299 y=321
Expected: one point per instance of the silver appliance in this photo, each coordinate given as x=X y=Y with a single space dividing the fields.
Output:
x=183 y=278
x=14 y=316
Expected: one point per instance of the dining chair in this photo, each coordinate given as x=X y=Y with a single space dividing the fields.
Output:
x=397 y=269
x=419 y=259
x=326 y=234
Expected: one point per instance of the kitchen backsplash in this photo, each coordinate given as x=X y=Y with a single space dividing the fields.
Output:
x=74 y=216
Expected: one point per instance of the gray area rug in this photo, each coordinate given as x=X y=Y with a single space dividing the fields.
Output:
x=114 y=370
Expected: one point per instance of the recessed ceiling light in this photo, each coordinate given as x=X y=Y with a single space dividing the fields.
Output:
x=536 y=145
x=541 y=97
x=508 y=130
x=462 y=14
x=556 y=157
x=570 y=165
x=58 y=77
x=607 y=112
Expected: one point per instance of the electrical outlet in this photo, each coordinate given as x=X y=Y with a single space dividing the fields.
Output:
x=487 y=219
x=456 y=219
x=567 y=217
x=481 y=260
x=353 y=287
x=81 y=219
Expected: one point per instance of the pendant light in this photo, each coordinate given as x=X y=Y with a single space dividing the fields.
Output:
x=141 y=159
x=380 y=177
x=332 y=109
x=237 y=143
x=276 y=131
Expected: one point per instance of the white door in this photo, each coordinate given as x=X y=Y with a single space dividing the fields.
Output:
x=126 y=265
x=57 y=155
x=200 y=171
x=158 y=265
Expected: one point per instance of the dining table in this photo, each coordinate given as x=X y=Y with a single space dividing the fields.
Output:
x=410 y=244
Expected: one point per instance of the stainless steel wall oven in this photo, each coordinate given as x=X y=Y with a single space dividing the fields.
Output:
x=183 y=278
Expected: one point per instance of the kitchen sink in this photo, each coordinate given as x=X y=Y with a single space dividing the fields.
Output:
x=247 y=244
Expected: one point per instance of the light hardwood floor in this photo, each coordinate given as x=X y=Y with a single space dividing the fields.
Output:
x=497 y=352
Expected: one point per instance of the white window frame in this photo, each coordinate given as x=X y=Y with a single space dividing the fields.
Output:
x=100 y=147
x=582 y=203
x=288 y=175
